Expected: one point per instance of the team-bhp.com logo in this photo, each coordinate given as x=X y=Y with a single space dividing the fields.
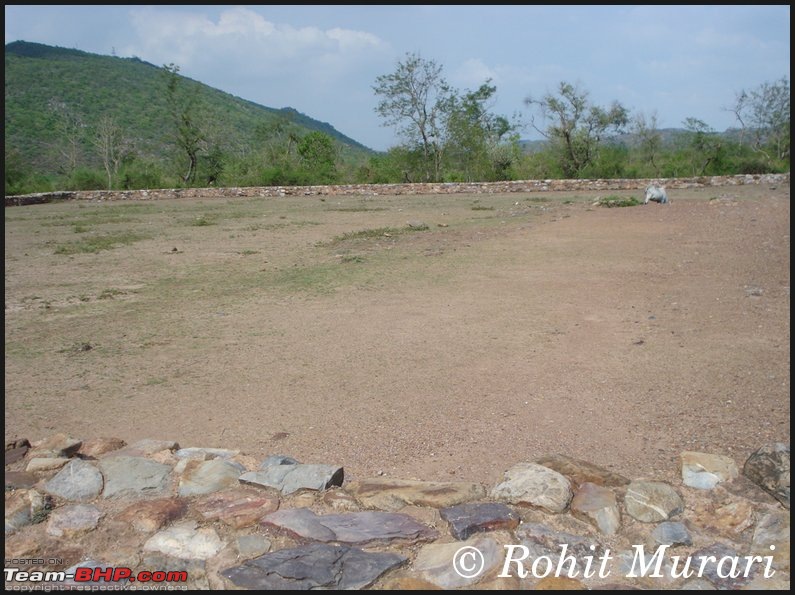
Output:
x=469 y=562
x=87 y=575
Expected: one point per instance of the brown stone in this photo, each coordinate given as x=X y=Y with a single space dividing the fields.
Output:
x=393 y=494
x=580 y=472
x=148 y=516
x=97 y=447
x=20 y=479
x=237 y=508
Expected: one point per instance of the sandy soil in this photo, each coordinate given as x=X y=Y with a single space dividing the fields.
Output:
x=514 y=327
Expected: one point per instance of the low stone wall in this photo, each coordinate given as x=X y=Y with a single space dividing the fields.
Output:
x=397 y=189
x=219 y=519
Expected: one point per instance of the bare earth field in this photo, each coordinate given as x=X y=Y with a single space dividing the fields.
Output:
x=514 y=326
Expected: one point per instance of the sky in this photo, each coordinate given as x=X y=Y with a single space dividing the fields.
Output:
x=671 y=62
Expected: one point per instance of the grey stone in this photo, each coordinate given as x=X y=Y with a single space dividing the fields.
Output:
x=470 y=518
x=652 y=501
x=671 y=533
x=205 y=454
x=251 y=546
x=289 y=478
x=134 y=476
x=314 y=566
x=351 y=527
x=77 y=481
x=530 y=484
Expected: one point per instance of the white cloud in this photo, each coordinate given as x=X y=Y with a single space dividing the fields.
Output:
x=194 y=39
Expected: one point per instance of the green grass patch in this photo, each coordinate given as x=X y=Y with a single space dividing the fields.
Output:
x=351 y=258
x=361 y=209
x=109 y=294
x=618 y=201
x=482 y=208
x=94 y=244
x=202 y=221
x=379 y=232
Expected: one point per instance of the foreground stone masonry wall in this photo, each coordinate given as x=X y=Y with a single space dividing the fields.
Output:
x=222 y=519
x=393 y=189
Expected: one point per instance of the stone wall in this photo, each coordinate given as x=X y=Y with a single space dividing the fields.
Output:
x=395 y=189
x=222 y=519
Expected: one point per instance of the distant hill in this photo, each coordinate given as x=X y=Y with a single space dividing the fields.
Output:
x=671 y=138
x=132 y=91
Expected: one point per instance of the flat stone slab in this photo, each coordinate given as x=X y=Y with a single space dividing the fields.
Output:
x=351 y=527
x=468 y=519
x=290 y=478
x=127 y=476
x=394 y=494
x=314 y=566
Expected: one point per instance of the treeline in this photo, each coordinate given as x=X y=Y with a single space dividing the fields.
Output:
x=446 y=135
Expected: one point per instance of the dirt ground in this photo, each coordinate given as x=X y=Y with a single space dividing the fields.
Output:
x=342 y=331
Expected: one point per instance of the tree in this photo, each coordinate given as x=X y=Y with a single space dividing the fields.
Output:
x=576 y=128
x=417 y=99
x=764 y=115
x=188 y=135
x=70 y=130
x=705 y=144
x=319 y=155
x=475 y=136
x=648 y=138
x=110 y=145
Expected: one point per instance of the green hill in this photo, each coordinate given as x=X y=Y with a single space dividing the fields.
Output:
x=47 y=87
